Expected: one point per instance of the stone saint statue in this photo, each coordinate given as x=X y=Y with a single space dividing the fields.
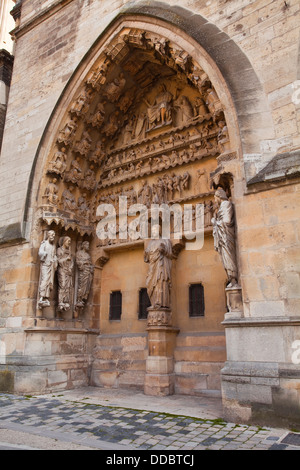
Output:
x=85 y=274
x=48 y=260
x=224 y=235
x=158 y=282
x=64 y=273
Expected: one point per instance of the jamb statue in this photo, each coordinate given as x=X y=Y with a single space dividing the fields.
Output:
x=64 y=274
x=224 y=235
x=85 y=274
x=48 y=260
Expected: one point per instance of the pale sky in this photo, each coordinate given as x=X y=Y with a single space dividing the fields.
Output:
x=7 y=24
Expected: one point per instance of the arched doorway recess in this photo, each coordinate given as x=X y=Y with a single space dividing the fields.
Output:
x=147 y=115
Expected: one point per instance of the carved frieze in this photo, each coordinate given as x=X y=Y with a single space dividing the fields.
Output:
x=144 y=111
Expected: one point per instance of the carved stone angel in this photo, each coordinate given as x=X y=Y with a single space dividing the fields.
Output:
x=68 y=200
x=98 y=76
x=98 y=118
x=83 y=146
x=58 y=163
x=114 y=89
x=184 y=110
x=89 y=181
x=81 y=105
x=66 y=134
x=51 y=192
x=75 y=174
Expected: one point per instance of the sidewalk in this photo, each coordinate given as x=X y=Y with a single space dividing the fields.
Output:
x=110 y=419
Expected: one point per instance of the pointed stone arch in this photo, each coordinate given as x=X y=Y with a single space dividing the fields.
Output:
x=230 y=71
x=144 y=106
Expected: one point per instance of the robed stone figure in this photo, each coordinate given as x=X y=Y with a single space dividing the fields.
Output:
x=48 y=265
x=158 y=282
x=65 y=273
x=224 y=235
x=85 y=274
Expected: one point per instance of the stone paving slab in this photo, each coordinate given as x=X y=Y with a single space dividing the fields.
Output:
x=106 y=419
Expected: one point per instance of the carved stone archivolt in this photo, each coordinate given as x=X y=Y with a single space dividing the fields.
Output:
x=146 y=122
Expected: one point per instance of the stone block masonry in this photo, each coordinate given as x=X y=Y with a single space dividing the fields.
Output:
x=250 y=52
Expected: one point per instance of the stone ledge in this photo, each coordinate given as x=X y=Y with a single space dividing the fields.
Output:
x=41 y=329
x=10 y=234
x=283 y=167
x=260 y=321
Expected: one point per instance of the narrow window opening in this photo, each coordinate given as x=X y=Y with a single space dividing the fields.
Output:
x=196 y=300
x=115 y=308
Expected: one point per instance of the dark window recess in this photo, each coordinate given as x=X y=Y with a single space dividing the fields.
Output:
x=196 y=300
x=144 y=303
x=115 y=308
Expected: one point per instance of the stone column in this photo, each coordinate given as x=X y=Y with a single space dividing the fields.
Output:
x=160 y=378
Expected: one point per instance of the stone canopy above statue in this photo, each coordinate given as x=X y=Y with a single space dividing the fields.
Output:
x=145 y=107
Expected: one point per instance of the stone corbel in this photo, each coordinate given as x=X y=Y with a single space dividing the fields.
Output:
x=101 y=259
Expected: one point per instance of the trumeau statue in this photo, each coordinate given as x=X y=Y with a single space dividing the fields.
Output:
x=48 y=265
x=224 y=235
x=159 y=256
x=85 y=274
x=64 y=273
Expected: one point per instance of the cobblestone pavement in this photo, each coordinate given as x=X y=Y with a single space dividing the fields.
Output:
x=85 y=420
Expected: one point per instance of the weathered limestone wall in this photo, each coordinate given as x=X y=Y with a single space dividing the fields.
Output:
x=6 y=64
x=262 y=372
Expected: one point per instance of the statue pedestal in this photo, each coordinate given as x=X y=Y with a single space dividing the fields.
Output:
x=159 y=378
x=234 y=303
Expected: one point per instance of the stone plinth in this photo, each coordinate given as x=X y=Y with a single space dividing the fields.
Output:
x=160 y=377
x=234 y=302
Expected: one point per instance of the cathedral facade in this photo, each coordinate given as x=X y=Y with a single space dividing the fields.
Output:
x=149 y=213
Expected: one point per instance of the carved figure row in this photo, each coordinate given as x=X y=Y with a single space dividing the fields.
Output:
x=163 y=190
x=159 y=163
x=61 y=261
x=170 y=142
x=67 y=202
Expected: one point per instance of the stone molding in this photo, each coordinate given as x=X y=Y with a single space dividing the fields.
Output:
x=283 y=167
x=260 y=321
